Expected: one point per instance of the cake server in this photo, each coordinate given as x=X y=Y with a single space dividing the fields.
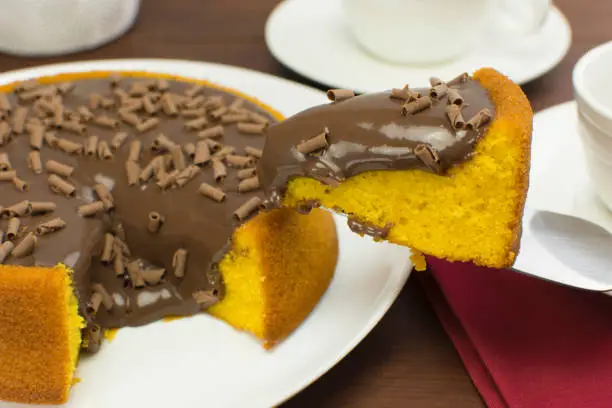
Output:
x=565 y=249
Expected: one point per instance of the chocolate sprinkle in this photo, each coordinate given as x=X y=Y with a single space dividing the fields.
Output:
x=147 y=125
x=252 y=128
x=239 y=161
x=190 y=150
x=315 y=143
x=36 y=136
x=219 y=170
x=35 y=162
x=59 y=168
x=416 y=106
x=89 y=210
x=251 y=151
x=135 y=149
x=5 y=163
x=454 y=115
x=153 y=276
x=5 y=250
x=20 y=184
x=107 y=299
x=60 y=186
x=118 y=140
x=19 y=119
x=234 y=118
x=428 y=156
x=51 y=226
x=168 y=106
x=439 y=91
x=106 y=122
x=179 y=262
x=339 y=95
x=481 y=118
x=155 y=221
x=202 y=153
x=44 y=207
x=454 y=97
x=13 y=228
x=133 y=172
x=246 y=173
x=248 y=184
x=69 y=146
x=196 y=124
x=247 y=209
x=104 y=195
x=7 y=175
x=21 y=209
x=26 y=246
x=213 y=132
x=91 y=145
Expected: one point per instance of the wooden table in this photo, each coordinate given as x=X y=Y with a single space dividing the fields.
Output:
x=407 y=360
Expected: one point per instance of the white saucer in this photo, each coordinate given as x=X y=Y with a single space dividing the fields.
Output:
x=309 y=37
x=203 y=362
x=559 y=183
x=558 y=179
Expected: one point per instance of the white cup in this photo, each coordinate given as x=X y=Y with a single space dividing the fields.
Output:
x=53 y=27
x=432 y=31
x=593 y=92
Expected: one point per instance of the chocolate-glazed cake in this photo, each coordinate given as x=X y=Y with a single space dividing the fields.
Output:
x=146 y=187
x=443 y=170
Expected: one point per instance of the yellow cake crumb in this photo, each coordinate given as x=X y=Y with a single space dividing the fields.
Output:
x=109 y=334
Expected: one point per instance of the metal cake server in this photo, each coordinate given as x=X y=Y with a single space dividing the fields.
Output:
x=565 y=249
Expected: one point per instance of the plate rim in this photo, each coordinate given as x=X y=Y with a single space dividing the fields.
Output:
x=318 y=79
x=390 y=290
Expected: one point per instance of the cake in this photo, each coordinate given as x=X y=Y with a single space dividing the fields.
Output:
x=130 y=197
x=442 y=170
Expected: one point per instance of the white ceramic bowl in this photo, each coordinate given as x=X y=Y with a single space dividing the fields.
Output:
x=593 y=92
x=53 y=27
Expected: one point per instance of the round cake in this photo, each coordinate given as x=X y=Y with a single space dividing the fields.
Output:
x=128 y=197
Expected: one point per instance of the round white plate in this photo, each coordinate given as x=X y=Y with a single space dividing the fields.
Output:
x=559 y=183
x=309 y=37
x=202 y=362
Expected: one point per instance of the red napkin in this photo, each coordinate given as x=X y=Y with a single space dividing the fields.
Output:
x=526 y=343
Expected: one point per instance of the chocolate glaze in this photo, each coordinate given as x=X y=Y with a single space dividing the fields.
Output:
x=367 y=133
x=193 y=222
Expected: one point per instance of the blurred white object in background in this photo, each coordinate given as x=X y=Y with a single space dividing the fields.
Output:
x=433 y=31
x=54 y=27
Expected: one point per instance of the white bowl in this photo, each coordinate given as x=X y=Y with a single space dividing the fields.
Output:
x=593 y=92
x=53 y=27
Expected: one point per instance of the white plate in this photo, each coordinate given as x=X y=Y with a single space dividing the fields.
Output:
x=202 y=362
x=309 y=37
x=559 y=181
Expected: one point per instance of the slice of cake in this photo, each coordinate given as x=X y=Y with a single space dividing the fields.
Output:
x=145 y=188
x=442 y=170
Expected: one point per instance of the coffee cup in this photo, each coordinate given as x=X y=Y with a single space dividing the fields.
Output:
x=54 y=27
x=433 y=31
x=593 y=92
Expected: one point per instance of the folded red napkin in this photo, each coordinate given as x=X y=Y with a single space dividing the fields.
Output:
x=525 y=342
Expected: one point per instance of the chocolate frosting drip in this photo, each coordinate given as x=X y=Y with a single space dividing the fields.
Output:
x=369 y=132
x=193 y=222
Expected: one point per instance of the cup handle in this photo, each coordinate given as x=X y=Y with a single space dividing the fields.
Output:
x=523 y=17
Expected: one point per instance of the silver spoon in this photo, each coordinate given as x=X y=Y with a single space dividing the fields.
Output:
x=565 y=249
